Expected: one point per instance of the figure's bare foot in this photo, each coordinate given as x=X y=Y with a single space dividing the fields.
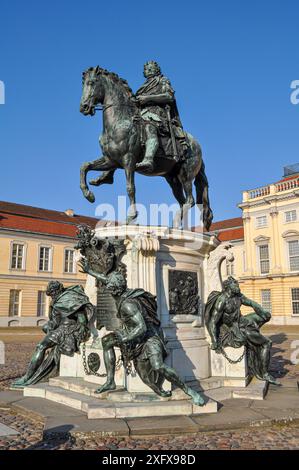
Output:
x=89 y=195
x=164 y=393
x=196 y=397
x=147 y=166
x=271 y=379
x=19 y=383
x=106 y=387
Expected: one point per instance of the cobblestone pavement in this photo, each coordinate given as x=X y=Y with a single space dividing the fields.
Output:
x=275 y=437
x=17 y=356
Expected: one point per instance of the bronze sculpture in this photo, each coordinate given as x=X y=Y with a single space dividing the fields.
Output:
x=68 y=326
x=143 y=133
x=228 y=327
x=140 y=336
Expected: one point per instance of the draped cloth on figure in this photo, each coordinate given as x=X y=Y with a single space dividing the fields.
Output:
x=64 y=330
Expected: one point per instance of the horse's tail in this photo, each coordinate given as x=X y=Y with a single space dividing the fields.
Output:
x=202 y=196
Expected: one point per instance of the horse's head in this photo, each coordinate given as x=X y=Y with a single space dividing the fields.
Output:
x=92 y=91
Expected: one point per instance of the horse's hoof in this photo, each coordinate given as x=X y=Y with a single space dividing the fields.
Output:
x=94 y=182
x=90 y=196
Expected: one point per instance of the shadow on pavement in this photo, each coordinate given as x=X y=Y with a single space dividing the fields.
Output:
x=279 y=361
x=54 y=438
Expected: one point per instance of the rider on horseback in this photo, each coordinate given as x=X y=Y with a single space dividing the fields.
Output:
x=159 y=112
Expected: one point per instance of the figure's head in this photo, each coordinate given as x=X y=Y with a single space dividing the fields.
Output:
x=151 y=69
x=54 y=289
x=116 y=284
x=231 y=285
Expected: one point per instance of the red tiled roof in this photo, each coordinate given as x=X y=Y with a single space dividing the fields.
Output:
x=228 y=223
x=232 y=234
x=286 y=178
x=34 y=219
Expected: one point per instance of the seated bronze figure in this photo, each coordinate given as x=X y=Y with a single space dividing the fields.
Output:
x=228 y=327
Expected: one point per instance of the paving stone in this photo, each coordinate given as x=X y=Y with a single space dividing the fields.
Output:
x=168 y=408
x=101 y=427
x=240 y=403
x=280 y=398
x=161 y=425
x=210 y=406
x=280 y=414
x=10 y=396
x=228 y=417
x=38 y=390
x=256 y=390
x=101 y=410
x=6 y=431
x=46 y=408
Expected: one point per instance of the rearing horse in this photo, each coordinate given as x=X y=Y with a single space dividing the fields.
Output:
x=121 y=143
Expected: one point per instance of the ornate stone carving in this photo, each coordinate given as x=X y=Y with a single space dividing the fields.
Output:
x=215 y=260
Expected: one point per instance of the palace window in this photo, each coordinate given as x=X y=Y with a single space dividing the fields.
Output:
x=44 y=258
x=41 y=303
x=69 y=261
x=294 y=255
x=14 y=302
x=266 y=299
x=295 y=301
x=17 y=256
x=261 y=221
x=264 y=259
x=290 y=216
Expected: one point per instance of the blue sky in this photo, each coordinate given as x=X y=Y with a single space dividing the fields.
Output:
x=230 y=62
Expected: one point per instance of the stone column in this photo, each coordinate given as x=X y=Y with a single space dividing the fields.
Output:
x=248 y=245
x=142 y=252
x=276 y=267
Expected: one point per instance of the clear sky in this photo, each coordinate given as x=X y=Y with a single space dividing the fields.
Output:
x=231 y=63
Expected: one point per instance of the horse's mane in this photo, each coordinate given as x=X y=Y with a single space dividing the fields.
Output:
x=114 y=77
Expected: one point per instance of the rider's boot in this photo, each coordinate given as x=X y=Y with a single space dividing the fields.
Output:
x=147 y=164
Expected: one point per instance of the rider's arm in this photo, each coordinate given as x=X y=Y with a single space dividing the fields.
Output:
x=133 y=318
x=215 y=317
x=165 y=97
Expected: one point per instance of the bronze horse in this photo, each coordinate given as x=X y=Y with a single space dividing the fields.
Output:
x=121 y=143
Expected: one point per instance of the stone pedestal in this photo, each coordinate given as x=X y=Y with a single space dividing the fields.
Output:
x=232 y=374
x=151 y=252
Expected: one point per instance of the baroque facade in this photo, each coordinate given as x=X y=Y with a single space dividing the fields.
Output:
x=37 y=246
x=265 y=243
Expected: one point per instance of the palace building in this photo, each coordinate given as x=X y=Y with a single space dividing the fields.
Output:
x=37 y=246
x=265 y=243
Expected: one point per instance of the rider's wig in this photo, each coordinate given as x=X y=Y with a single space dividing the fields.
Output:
x=155 y=64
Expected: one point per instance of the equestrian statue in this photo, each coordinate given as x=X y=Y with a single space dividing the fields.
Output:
x=143 y=132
